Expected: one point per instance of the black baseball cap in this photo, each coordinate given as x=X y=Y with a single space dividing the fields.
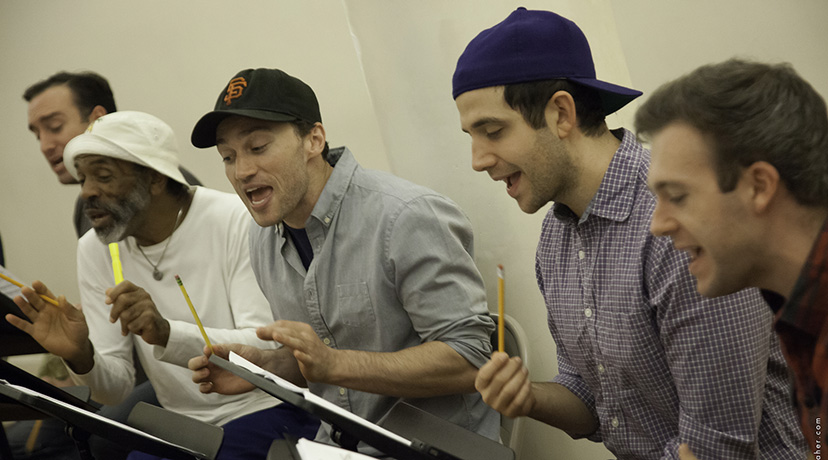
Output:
x=264 y=94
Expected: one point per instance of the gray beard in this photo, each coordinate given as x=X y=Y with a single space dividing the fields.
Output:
x=123 y=213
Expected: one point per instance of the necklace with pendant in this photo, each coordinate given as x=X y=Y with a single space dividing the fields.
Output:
x=156 y=273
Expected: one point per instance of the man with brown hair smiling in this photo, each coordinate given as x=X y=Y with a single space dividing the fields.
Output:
x=644 y=362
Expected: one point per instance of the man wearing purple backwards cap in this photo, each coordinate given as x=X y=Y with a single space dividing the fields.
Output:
x=370 y=277
x=645 y=363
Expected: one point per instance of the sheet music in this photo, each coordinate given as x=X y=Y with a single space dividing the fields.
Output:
x=310 y=450
x=6 y=288
x=241 y=362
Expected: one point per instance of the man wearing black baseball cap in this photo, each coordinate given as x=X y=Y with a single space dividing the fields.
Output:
x=645 y=363
x=370 y=277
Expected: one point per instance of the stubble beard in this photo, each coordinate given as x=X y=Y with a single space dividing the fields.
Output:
x=554 y=173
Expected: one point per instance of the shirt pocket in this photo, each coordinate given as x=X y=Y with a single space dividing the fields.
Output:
x=355 y=305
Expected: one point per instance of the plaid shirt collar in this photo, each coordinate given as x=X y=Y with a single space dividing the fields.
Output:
x=615 y=196
x=807 y=308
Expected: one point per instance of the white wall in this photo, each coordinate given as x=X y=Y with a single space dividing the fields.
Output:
x=382 y=72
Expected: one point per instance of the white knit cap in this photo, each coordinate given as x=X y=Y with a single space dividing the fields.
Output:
x=136 y=137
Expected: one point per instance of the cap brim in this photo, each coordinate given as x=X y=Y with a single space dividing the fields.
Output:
x=613 y=97
x=92 y=144
x=204 y=132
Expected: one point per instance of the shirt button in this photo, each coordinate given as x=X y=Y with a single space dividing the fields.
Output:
x=581 y=255
x=601 y=369
x=327 y=220
x=614 y=422
x=326 y=341
x=588 y=313
x=341 y=391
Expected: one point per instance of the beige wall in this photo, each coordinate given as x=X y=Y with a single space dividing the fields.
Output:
x=382 y=72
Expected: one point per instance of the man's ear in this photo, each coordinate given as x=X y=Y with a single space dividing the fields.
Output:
x=158 y=182
x=96 y=113
x=316 y=140
x=560 y=114
x=763 y=183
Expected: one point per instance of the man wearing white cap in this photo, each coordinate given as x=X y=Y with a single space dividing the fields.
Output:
x=135 y=195
x=645 y=363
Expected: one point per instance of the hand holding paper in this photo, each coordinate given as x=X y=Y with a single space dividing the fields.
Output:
x=212 y=379
x=317 y=400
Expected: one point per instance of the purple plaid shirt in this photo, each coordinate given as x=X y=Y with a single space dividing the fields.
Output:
x=655 y=362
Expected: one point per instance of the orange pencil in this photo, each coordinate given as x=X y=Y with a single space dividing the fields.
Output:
x=20 y=285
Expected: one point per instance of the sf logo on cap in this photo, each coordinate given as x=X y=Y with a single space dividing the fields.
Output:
x=234 y=89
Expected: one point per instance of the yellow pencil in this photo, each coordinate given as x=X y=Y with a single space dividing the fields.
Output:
x=500 y=310
x=31 y=442
x=117 y=270
x=20 y=285
x=192 y=309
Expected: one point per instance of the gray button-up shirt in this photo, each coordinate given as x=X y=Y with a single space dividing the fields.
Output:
x=392 y=269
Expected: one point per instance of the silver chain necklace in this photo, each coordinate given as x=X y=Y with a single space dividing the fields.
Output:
x=156 y=273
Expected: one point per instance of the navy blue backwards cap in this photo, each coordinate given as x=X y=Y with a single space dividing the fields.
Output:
x=264 y=94
x=531 y=46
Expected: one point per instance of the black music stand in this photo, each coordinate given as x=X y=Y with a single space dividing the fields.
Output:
x=12 y=410
x=13 y=341
x=82 y=423
x=452 y=447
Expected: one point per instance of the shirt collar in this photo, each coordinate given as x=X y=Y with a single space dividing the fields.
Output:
x=807 y=307
x=615 y=196
x=330 y=199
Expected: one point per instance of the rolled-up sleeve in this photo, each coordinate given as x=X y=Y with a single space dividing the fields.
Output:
x=429 y=248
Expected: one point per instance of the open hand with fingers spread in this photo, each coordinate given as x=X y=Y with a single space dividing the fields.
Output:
x=61 y=330
x=133 y=306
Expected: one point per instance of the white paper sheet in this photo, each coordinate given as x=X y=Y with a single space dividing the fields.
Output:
x=241 y=362
x=310 y=450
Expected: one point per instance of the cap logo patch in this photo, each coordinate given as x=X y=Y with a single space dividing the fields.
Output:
x=234 y=89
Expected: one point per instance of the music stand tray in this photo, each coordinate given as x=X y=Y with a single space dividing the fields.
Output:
x=92 y=423
x=374 y=435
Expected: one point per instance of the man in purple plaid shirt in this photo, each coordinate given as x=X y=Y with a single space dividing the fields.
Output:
x=645 y=363
x=740 y=171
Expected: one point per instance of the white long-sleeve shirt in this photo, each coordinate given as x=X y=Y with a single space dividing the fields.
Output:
x=209 y=251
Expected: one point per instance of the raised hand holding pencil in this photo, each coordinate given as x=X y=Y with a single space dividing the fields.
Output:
x=20 y=285
x=60 y=328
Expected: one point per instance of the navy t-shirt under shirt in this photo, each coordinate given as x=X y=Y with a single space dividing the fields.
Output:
x=300 y=239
